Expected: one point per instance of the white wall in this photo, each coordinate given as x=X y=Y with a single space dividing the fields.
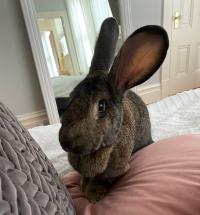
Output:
x=19 y=86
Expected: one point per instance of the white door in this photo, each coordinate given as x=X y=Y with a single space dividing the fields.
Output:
x=185 y=46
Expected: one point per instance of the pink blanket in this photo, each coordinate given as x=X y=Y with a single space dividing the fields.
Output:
x=164 y=178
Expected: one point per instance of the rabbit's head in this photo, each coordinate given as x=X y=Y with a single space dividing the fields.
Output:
x=94 y=114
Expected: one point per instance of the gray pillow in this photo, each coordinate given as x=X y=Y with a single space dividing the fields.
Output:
x=29 y=184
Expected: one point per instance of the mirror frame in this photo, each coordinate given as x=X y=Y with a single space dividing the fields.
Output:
x=30 y=17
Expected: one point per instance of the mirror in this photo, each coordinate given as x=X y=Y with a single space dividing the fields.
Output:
x=68 y=31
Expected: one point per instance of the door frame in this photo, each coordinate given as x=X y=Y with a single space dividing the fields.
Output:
x=166 y=66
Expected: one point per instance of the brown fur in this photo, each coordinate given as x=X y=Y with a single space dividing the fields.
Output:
x=100 y=143
x=92 y=164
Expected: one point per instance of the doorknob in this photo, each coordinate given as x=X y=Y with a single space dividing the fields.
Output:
x=176 y=19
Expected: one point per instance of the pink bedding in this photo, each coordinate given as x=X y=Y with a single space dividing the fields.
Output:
x=164 y=179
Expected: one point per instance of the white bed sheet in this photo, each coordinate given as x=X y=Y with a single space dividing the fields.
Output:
x=47 y=138
x=175 y=115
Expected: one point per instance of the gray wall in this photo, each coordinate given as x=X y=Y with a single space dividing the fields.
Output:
x=19 y=86
x=148 y=12
x=49 y=5
x=115 y=10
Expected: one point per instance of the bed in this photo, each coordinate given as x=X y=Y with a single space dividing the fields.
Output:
x=172 y=116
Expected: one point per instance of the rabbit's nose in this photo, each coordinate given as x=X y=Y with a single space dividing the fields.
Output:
x=78 y=149
x=74 y=145
x=66 y=145
x=65 y=139
x=70 y=140
x=71 y=147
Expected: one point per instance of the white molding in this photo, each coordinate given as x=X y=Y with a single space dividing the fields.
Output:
x=165 y=69
x=33 y=119
x=150 y=93
x=29 y=13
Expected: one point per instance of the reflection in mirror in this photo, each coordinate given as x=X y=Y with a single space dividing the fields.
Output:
x=69 y=29
x=55 y=47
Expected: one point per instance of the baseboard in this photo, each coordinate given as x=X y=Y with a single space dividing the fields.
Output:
x=33 y=119
x=165 y=88
x=150 y=93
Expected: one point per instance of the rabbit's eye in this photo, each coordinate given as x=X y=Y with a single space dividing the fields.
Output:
x=102 y=105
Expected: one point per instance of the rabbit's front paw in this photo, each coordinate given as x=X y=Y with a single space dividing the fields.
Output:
x=94 y=193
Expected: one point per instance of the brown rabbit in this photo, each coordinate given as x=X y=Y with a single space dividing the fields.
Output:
x=104 y=123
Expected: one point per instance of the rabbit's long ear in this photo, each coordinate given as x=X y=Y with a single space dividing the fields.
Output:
x=139 y=58
x=105 y=46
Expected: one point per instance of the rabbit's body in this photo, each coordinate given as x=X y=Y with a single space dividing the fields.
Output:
x=135 y=133
x=104 y=123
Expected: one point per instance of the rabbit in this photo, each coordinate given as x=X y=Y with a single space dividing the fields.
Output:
x=104 y=122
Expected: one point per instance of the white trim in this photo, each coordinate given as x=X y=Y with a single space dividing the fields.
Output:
x=150 y=93
x=40 y=62
x=33 y=119
x=167 y=24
